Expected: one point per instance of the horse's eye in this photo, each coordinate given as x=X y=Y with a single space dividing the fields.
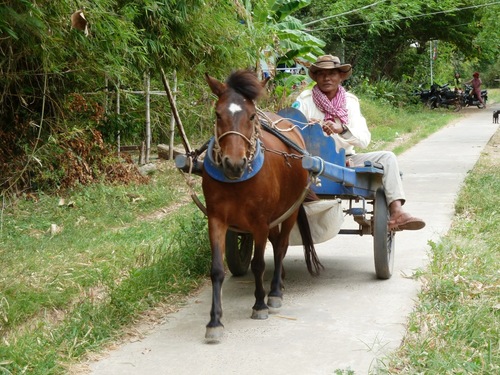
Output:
x=217 y=115
x=252 y=117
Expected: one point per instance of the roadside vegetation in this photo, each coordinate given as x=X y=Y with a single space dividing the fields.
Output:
x=455 y=326
x=77 y=268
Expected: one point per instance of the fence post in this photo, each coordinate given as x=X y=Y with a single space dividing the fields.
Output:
x=118 y=114
x=148 y=115
x=172 y=121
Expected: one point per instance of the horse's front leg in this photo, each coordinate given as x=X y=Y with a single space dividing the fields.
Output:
x=260 y=309
x=217 y=233
x=279 y=240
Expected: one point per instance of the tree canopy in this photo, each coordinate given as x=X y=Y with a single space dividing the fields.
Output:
x=391 y=39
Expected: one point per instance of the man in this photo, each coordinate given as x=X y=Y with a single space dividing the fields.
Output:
x=339 y=114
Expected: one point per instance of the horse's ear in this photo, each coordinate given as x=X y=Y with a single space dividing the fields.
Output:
x=216 y=86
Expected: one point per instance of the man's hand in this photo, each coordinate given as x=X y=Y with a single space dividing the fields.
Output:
x=331 y=127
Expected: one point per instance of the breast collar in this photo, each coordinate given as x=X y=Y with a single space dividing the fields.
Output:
x=215 y=171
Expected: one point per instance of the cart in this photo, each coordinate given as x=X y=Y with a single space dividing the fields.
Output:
x=360 y=188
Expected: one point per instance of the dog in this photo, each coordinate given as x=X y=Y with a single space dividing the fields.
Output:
x=495 y=116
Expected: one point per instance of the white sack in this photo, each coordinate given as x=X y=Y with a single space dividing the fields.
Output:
x=325 y=219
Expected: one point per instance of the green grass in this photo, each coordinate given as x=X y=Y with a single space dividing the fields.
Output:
x=69 y=293
x=64 y=294
x=455 y=327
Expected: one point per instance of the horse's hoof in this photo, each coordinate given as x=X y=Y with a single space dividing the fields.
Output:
x=274 y=302
x=213 y=335
x=260 y=314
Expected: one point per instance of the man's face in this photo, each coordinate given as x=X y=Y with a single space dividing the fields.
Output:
x=328 y=81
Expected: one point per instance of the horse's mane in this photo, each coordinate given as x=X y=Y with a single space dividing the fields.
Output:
x=246 y=83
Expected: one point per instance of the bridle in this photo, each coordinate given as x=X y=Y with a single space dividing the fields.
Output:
x=252 y=141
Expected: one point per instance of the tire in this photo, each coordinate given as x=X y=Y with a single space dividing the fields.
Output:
x=383 y=238
x=239 y=250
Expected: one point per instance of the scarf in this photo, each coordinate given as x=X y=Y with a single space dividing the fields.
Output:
x=336 y=107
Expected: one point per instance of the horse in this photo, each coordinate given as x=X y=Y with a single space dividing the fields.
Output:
x=253 y=182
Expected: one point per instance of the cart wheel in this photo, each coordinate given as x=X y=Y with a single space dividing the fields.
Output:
x=239 y=249
x=383 y=239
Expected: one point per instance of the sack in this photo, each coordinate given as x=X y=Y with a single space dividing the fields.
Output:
x=325 y=219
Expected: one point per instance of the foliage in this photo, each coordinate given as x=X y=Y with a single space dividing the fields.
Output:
x=386 y=91
x=390 y=40
x=285 y=37
x=46 y=65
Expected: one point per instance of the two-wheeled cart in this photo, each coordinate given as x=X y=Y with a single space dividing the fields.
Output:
x=360 y=188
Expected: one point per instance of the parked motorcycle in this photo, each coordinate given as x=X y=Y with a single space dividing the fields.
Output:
x=450 y=98
x=424 y=95
x=442 y=96
x=469 y=98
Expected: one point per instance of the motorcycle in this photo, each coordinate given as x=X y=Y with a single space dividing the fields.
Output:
x=442 y=96
x=424 y=95
x=469 y=98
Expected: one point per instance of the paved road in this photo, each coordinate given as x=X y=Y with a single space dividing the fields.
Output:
x=344 y=319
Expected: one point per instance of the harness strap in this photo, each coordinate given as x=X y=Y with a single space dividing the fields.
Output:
x=278 y=221
x=294 y=207
x=287 y=141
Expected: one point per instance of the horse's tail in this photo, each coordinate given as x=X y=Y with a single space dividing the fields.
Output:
x=314 y=266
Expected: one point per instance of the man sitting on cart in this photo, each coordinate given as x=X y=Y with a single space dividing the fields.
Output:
x=339 y=113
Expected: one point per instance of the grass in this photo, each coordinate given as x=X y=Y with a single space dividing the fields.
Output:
x=116 y=252
x=115 y=255
x=455 y=327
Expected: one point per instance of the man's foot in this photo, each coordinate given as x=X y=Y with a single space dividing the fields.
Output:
x=406 y=222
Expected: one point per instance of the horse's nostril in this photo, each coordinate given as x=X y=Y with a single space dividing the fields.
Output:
x=234 y=168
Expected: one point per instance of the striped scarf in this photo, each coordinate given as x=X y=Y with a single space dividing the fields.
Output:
x=336 y=107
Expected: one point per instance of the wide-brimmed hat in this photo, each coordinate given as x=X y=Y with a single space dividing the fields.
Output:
x=329 y=62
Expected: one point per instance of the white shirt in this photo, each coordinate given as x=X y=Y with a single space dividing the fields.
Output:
x=357 y=135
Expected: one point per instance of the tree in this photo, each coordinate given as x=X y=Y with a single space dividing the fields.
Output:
x=378 y=36
x=276 y=34
x=48 y=68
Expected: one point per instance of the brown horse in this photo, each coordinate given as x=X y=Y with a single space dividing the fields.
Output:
x=261 y=183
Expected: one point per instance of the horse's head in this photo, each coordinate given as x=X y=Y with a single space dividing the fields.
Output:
x=236 y=128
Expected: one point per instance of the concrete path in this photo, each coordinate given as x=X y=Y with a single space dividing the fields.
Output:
x=344 y=319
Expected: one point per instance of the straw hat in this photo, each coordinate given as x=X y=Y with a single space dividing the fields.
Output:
x=329 y=62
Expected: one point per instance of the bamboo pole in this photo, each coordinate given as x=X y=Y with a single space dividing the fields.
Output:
x=118 y=114
x=185 y=141
x=172 y=122
x=147 y=86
